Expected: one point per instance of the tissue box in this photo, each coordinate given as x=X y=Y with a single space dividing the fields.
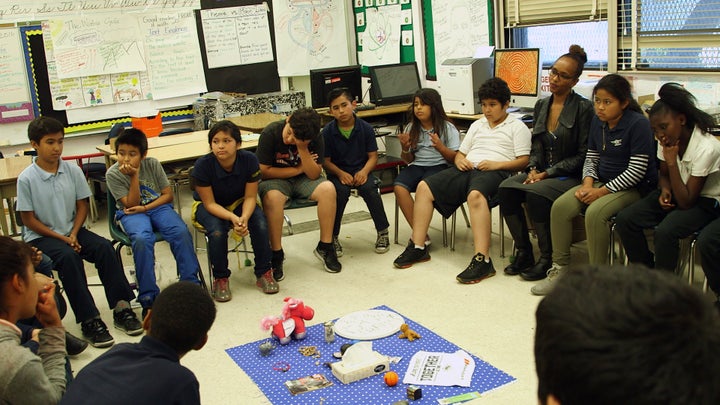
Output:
x=149 y=122
x=371 y=365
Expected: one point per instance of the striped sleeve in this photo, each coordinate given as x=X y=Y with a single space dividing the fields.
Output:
x=592 y=160
x=632 y=176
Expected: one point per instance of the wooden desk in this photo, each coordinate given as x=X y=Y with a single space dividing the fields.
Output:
x=10 y=169
x=256 y=122
x=174 y=152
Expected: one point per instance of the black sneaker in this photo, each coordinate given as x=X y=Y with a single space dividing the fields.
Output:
x=329 y=259
x=127 y=321
x=74 y=345
x=477 y=271
x=95 y=332
x=410 y=256
x=277 y=265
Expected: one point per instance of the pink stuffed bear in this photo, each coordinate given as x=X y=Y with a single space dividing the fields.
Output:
x=292 y=323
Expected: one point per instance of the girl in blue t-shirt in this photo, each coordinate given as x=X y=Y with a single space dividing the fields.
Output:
x=226 y=185
x=429 y=145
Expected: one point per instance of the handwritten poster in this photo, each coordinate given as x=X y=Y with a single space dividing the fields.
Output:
x=173 y=51
x=459 y=28
x=96 y=44
x=381 y=38
x=237 y=35
x=14 y=92
x=310 y=34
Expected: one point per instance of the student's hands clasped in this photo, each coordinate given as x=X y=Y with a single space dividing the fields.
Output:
x=72 y=241
x=239 y=225
x=46 y=310
x=138 y=209
x=588 y=194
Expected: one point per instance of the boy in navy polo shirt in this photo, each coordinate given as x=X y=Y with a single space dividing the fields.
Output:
x=350 y=156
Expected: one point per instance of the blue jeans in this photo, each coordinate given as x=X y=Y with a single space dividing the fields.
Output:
x=140 y=228
x=369 y=193
x=71 y=269
x=217 y=233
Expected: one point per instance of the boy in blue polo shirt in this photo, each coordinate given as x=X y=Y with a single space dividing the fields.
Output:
x=350 y=156
x=52 y=201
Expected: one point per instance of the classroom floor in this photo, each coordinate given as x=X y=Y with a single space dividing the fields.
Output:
x=493 y=319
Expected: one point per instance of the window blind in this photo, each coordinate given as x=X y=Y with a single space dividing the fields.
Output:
x=669 y=34
x=519 y=13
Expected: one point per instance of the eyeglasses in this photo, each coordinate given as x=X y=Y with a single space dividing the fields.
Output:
x=554 y=73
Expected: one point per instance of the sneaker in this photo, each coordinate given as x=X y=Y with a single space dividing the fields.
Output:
x=221 y=290
x=410 y=256
x=545 y=286
x=95 y=332
x=337 y=246
x=277 y=265
x=74 y=345
x=330 y=261
x=127 y=321
x=382 y=244
x=267 y=283
x=477 y=271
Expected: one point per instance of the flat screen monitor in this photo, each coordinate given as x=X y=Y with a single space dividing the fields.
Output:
x=392 y=84
x=322 y=81
x=520 y=68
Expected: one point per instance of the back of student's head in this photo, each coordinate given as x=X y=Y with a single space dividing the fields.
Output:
x=181 y=316
x=626 y=335
x=227 y=127
x=495 y=88
x=305 y=123
x=14 y=256
x=133 y=137
x=339 y=92
x=676 y=99
x=41 y=126
x=620 y=88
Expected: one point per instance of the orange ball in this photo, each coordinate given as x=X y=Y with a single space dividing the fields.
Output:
x=391 y=378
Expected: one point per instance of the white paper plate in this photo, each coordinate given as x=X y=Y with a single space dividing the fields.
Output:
x=368 y=325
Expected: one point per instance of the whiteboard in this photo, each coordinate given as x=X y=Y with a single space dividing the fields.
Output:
x=459 y=27
x=310 y=35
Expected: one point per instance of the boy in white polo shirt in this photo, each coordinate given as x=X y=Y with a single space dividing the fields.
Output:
x=52 y=201
x=495 y=146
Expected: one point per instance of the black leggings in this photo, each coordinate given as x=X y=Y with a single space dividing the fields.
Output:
x=538 y=207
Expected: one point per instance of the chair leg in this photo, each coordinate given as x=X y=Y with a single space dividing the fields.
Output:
x=176 y=190
x=397 y=220
x=210 y=272
x=691 y=260
x=289 y=224
x=453 y=223
x=502 y=234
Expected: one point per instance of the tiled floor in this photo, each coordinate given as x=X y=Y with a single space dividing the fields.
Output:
x=493 y=319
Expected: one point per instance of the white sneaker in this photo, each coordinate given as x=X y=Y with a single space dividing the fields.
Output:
x=546 y=285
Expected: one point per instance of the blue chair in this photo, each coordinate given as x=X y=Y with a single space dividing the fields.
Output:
x=121 y=239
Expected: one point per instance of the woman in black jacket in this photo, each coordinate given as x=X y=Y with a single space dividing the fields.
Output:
x=559 y=144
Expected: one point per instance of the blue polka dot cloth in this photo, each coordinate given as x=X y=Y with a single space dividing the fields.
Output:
x=266 y=371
